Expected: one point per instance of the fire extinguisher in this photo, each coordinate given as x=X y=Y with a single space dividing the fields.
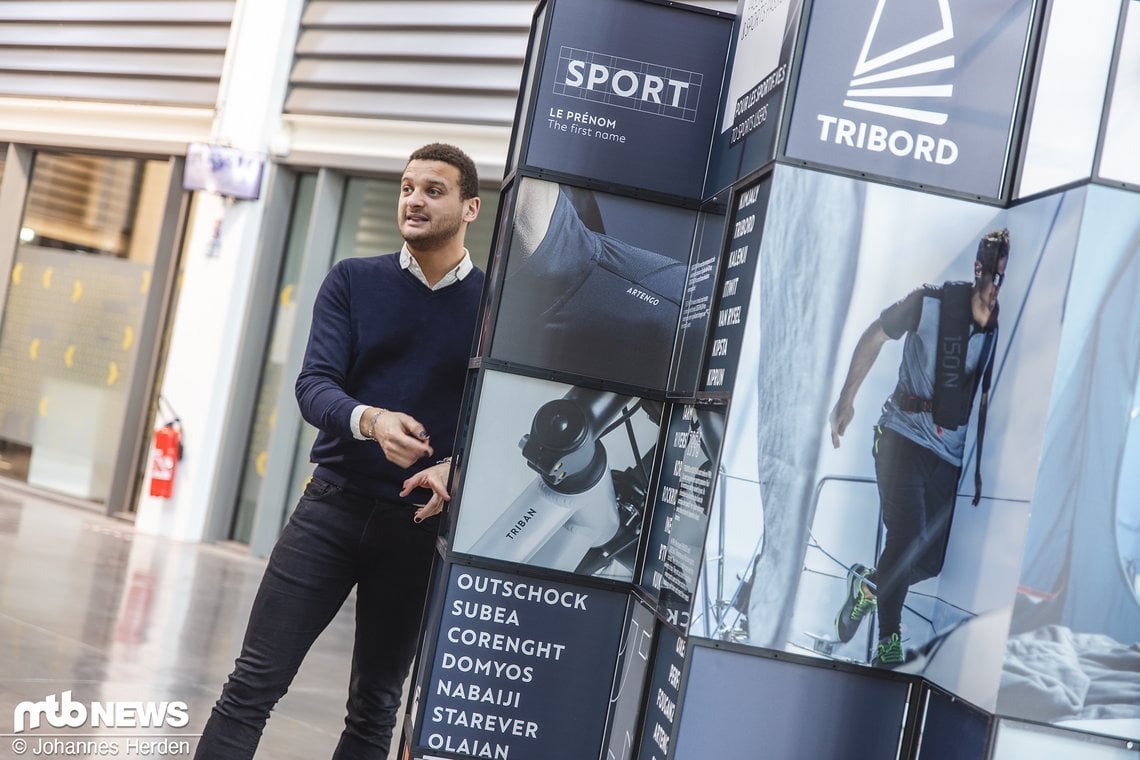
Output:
x=165 y=456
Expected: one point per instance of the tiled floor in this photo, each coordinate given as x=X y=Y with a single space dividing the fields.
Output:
x=89 y=607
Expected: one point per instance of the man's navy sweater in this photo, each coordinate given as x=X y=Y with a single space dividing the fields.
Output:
x=381 y=337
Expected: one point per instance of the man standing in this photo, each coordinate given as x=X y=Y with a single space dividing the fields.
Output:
x=950 y=338
x=382 y=380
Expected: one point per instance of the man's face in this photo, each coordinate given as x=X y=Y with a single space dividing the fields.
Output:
x=989 y=283
x=431 y=212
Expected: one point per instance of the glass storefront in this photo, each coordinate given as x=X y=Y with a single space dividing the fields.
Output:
x=284 y=323
x=76 y=305
x=367 y=227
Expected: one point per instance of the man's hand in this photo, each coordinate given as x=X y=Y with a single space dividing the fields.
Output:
x=866 y=351
x=840 y=418
x=434 y=478
x=402 y=438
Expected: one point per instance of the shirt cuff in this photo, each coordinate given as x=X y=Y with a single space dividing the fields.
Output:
x=354 y=421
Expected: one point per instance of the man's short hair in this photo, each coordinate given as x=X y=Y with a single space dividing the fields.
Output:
x=449 y=154
x=992 y=248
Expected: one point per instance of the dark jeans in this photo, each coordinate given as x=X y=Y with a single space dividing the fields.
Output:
x=916 y=495
x=334 y=540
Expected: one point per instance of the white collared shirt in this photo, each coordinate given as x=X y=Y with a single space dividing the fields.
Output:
x=461 y=270
x=408 y=262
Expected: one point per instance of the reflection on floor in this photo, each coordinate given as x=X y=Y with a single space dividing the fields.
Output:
x=14 y=460
x=89 y=607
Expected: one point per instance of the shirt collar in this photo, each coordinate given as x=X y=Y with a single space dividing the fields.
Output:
x=461 y=270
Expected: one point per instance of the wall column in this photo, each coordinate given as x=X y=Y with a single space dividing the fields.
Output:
x=219 y=262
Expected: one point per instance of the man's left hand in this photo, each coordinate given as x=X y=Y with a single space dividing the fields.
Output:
x=435 y=479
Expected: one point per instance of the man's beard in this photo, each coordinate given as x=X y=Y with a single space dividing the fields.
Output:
x=434 y=236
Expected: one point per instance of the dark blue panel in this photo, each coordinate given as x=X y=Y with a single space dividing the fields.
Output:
x=740 y=706
x=628 y=94
x=920 y=92
x=515 y=657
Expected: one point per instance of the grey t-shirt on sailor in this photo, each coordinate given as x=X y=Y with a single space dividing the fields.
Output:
x=916 y=316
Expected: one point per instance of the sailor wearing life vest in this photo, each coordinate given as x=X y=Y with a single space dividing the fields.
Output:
x=949 y=340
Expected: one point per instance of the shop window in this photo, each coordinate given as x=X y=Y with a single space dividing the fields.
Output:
x=76 y=301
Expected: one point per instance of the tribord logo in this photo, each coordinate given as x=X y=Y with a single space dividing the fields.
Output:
x=64 y=712
x=900 y=73
x=873 y=71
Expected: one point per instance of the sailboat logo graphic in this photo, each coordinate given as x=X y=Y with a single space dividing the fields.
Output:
x=889 y=75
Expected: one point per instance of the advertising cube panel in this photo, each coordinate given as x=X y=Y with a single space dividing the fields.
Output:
x=673 y=556
x=593 y=284
x=558 y=476
x=755 y=98
x=920 y=92
x=729 y=319
x=663 y=695
x=628 y=94
x=515 y=657
x=1072 y=655
x=736 y=706
x=830 y=399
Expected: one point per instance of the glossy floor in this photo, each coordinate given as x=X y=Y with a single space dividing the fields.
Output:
x=88 y=606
